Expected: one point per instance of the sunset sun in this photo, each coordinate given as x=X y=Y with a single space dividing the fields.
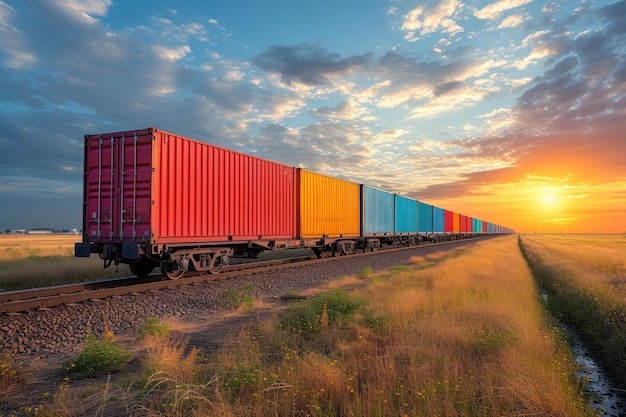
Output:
x=549 y=200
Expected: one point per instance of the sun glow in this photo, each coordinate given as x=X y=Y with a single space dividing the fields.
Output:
x=549 y=200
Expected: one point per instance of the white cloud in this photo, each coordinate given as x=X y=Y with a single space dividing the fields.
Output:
x=530 y=38
x=513 y=21
x=429 y=20
x=463 y=96
x=540 y=51
x=389 y=136
x=87 y=9
x=172 y=54
x=495 y=10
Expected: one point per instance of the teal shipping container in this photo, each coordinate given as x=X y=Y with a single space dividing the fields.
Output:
x=377 y=211
x=438 y=220
x=424 y=217
x=406 y=215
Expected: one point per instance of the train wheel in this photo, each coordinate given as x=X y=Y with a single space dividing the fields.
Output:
x=216 y=265
x=171 y=271
x=141 y=269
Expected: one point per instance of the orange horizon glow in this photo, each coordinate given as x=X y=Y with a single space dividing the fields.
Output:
x=543 y=204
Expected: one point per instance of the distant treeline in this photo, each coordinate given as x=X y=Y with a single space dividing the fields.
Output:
x=42 y=230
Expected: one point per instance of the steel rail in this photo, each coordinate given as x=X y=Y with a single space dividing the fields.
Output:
x=47 y=297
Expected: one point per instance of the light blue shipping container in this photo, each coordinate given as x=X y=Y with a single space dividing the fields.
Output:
x=438 y=219
x=377 y=211
x=406 y=215
x=424 y=217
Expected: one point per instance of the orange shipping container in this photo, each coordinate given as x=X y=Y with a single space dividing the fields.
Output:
x=456 y=222
x=328 y=206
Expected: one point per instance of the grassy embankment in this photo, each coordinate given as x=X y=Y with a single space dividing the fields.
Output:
x=585 y=278
x=460 y=333
x=30 y=261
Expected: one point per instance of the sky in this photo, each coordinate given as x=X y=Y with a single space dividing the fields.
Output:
x=511 y=111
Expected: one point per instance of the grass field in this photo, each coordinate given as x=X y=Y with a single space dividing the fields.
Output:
x=460 y=333
x=16 y=247
x=29 y=261
x=585 y=279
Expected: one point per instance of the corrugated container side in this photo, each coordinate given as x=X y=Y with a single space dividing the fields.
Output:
x=438 y=220
x=463 y=223
x=406 y=215
x=456 y=222
x=424 y=217
x=377 y=211
x=478 y=226
x=169 y=189
x=484 y=227
x=328 y=206
x=207 y=193
x=448 y=221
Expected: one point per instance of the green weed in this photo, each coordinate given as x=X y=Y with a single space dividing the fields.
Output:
x=239 y=297
x=99 y=356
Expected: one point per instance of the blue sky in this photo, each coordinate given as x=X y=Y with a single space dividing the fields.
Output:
x=511 y=111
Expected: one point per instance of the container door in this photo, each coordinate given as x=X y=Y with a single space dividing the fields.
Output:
x=117 y=186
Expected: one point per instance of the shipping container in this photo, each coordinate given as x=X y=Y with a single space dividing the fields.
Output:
x=424 y=217
x=438 y=220
x=448 y=221
x=477 y=227
x=406 y=215
x=456 y=222
x=377 y=211
x=153 y=186
x=329 y=207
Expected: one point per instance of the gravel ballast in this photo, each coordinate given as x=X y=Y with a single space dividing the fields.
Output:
x=61 y=329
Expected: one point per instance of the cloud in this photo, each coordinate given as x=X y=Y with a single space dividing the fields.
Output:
x=494 y=10
x=172 y=54
x=426 y=20
x=565 y=126
x=346 y=110
x=13 y=43
x=310 y=65
x=513 y=21
x=87 y=9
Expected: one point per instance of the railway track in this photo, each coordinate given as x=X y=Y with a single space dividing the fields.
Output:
x=15 y=302
x=47 y=297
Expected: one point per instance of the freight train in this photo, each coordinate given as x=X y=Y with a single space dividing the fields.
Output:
x=157 y=199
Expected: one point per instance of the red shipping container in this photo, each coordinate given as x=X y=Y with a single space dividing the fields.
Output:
x=448 y=221
x=463 y=223
x=160 y=188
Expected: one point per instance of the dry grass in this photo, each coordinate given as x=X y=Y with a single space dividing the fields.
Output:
x=585 y=278
x=14 y=247
x=30 y=261
x=466 y=337
x=465 y=334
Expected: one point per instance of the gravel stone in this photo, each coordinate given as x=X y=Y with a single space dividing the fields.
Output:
x=64 y=328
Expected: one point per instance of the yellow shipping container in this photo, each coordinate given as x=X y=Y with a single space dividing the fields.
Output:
x=328 y=206
x=456 y=222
